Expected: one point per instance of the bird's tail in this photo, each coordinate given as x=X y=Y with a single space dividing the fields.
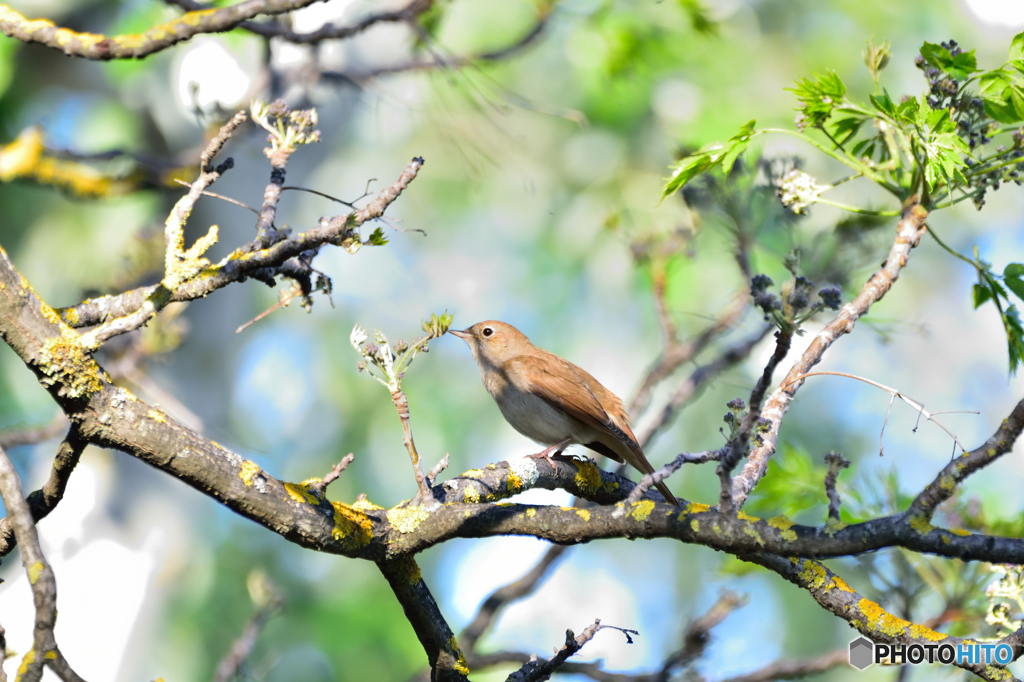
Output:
x=663 y=489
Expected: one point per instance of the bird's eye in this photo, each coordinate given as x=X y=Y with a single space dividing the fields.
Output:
x=488 y=331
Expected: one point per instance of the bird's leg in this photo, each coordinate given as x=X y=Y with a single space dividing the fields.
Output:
x=556 y=448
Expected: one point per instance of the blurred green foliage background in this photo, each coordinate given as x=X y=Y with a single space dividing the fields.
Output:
x=541 y=171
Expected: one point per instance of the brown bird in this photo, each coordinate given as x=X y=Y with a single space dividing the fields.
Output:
x=551 y=400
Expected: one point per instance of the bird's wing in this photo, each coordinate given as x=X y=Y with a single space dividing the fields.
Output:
x=570 y=389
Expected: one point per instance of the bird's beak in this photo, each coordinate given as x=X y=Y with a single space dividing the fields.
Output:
x=464 y=335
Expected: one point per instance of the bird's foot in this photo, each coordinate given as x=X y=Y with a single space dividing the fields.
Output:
x=557 y=448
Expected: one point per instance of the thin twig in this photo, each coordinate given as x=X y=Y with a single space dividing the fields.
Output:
x=741 y=441
x=791 y=670
x=333 y=475
x=41 y=502
x=689 y=387
x=664 y=472
x=40 y=576
x=436 y=470
x=675 y=354
x=908 y=233
x=536 y=669
x=230 y=666
x=180 y=265
x=245 y=261
x=895 y=393
x=697 y=635
x=214 y=195
x=836 y=463
x=424 y=496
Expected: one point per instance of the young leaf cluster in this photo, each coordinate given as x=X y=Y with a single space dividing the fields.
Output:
x=386 y=363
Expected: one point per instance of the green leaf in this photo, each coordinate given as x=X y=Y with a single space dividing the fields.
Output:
x=699 y=18
x=377 y=237
x=1014 y=270
x=958 y=67
x=737 y=144
x=937 y=56
x=711 y=157
x=908 y=111
x=992 y=83
x=884 y=104
x=865 y=148
x=981 y=294
x=846 y=128
x=1001 y=111
x=1016 y=285
x=686 y=170
x=1014 y=337
x=1017 y=47
x=792 y=485
x=964 y=64
x=1017 y=100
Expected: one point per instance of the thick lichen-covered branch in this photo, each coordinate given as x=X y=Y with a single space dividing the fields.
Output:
x=134 y=46
x=908 y=232
x=27 y=158
x=112 y=417
x=867 y=617
x=447 y=664
x=329 y=31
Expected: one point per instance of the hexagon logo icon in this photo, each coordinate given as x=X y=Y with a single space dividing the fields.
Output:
x=862 y=653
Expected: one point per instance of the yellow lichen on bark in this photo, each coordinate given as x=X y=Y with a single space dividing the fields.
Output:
x=351 y=527
x=63 y=361
x=460 y=660
x=248 y=471
x=783 y=525
x=300 y=492
x=880 y=620
x=588 y=476
x=642 y=509
x=406 y=519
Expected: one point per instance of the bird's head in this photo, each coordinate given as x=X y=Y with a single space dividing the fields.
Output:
x=493 y=342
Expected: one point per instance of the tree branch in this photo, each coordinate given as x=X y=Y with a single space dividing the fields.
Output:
x=864 y=615
x=43 y=501
x=945 y=484
x=447 y=664
x=689 y=387
x=44 y=649
x=135 y=46
x=535 y=669
x=326 y=32
x=908 y=233
x=245 y=262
